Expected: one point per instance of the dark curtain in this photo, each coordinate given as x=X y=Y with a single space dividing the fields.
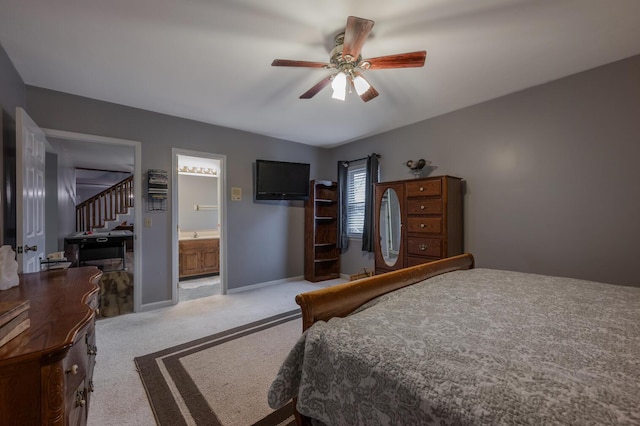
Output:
x=368 y=231
x=343 y=234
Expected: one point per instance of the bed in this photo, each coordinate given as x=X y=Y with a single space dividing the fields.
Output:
x=447 y=343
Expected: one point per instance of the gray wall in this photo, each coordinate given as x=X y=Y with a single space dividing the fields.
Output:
x=12 y=95
x=66 y=203
x=197 y=190
x=51 y=203
x=551 y=174
x=265 y=240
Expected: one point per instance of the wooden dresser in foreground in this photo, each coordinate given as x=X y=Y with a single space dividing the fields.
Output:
x=46 y=371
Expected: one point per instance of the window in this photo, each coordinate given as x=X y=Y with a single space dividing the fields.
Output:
x=356 y=177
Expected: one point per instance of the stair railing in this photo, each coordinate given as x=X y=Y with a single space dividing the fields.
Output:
x=105 y=206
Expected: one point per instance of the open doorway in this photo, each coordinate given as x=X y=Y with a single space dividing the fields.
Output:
x=198 y=217
x=85 y=165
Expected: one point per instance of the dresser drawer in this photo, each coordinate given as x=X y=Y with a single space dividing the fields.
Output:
x=419 y=260
x=426 y=225
x=424 y=206
x=424 y=188
x=424 y=246
x=76 y=364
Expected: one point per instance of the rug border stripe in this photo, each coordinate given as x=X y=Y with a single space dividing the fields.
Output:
x=162 y=402
x=194 y=400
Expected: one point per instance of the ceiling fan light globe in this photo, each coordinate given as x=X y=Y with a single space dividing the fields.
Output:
x=339 y=86
x=361 y=85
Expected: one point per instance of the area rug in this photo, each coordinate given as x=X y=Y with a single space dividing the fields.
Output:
x=222 y=379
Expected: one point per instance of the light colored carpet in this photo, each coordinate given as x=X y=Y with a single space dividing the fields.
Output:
x=119 y=397
x=222 y=379
x=199 y=287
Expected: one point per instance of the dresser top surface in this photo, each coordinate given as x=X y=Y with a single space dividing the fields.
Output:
x=58 y=309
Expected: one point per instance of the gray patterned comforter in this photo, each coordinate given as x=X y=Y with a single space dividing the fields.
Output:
x=474 y=347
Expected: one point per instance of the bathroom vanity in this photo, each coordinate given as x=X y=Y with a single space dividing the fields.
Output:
x=198 y=255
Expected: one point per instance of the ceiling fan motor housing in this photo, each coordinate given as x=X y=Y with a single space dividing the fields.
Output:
x=345 y=63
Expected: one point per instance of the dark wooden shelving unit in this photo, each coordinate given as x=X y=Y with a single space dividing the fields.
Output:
x=321 y=255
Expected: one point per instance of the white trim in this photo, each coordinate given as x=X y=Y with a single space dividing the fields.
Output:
x=155 y=305
x=265 y=284
x=222 y=195
x=137 y=194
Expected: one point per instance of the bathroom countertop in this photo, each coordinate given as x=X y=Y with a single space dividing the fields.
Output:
x=197 y=235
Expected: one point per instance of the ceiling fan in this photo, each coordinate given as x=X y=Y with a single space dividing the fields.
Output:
x=346 y=59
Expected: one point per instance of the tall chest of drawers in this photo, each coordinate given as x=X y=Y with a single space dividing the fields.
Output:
x=428 y=223
x=46 y=371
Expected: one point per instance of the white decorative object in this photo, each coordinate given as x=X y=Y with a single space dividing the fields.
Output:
x=8 y=268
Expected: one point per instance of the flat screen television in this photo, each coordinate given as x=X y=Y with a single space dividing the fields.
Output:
x=280 y=180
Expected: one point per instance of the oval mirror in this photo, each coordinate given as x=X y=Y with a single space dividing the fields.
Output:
x=390 y=227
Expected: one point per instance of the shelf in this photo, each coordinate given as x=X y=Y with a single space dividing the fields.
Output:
x=326 y=260
x=322 y=257
x=331 y=276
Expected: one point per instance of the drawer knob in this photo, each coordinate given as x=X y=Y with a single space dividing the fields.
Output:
x=423 y=247
x=73 y=370
x=80 y=399
x=92 y=350
x=421 y=189
x=422 y=225
x=422 y=207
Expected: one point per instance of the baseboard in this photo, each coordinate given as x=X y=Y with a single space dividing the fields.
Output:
x=155 y=305
x=265 y=284
x=345 y=277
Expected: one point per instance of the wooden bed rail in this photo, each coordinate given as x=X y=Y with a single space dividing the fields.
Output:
x=342 y=299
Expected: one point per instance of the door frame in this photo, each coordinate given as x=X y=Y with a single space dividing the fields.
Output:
x=222 y=211
x=137 y=198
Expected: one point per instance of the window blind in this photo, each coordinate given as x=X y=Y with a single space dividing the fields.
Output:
x=356 y=178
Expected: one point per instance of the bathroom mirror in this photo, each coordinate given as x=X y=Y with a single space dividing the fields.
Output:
x=390 y=227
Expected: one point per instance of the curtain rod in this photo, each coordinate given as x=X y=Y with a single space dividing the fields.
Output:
x=360 y=159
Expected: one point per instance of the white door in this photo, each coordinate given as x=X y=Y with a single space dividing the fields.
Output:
x=30 y=172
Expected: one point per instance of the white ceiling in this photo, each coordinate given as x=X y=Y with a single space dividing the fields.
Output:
x=210 y=60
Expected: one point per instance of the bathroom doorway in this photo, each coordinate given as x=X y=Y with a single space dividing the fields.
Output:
x=198 y=218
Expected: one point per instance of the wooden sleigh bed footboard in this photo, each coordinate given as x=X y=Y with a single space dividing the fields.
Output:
x=343 y=299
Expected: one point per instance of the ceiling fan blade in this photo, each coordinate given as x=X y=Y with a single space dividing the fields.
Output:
x=315 y=89
x=355 y=34
x=401 y=60
x=292 y=63
x=370 y=93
